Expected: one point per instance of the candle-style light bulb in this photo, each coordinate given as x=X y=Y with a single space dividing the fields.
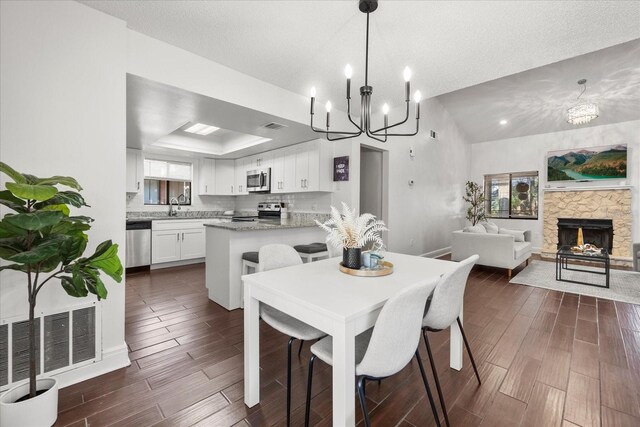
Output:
x=385 y=109
x=348 y=71
x=328 y=106
x=313 y=92
x=407 y=74
x=417 y=96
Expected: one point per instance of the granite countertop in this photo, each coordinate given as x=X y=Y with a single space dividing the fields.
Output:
x=165 y=218
x=262 y=224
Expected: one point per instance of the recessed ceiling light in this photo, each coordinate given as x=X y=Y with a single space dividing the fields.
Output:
x=201 y=129
x=503 y=122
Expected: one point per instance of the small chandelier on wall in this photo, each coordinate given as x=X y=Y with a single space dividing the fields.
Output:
x=584 y=111
x=365 y=125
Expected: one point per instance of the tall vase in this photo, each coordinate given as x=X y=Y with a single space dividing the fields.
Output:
x=580 y=241
x=351 y=257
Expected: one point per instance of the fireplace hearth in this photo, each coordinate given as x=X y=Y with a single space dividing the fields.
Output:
x=597 y=232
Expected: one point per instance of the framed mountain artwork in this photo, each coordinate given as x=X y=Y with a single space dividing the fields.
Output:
x=588 y=164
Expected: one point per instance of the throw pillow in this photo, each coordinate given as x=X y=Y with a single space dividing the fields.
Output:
x=518 y=236
x=476 y=229
x=490 y=227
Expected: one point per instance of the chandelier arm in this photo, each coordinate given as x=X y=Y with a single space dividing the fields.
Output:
x=405 y=134
x=344 y=137
x=349 y=115
x=375 y=137
x=394 y=125
x=327 y=132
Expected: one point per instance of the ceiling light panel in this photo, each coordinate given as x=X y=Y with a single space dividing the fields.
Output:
x=201 y=129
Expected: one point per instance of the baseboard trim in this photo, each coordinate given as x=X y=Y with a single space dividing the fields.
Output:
x=176 y=263
x=437 y=253
x=112 y=359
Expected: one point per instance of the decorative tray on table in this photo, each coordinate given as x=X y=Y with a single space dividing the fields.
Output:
x=384 y=268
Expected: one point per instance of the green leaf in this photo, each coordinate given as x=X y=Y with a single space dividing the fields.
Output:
x=67 y=285
x=44 y=250
x=10 y=247
x=65 y=226
x=34 y=221
x=16 y=267
x=81 y=218
x=12 y=173
x=32 y=192
x=107 y=260
x=73 y=247
x=62 y=180
x=64 y=197
x=12 y=202
x=9 y=231
x=61 y=207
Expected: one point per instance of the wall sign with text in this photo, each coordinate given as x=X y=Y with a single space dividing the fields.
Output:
x=341 y=168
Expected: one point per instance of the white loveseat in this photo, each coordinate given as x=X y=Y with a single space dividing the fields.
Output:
x=495 y=250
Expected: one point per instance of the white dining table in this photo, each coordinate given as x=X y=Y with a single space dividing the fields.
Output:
x=339 y=304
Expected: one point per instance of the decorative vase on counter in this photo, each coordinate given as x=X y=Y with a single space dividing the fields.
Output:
x=351 y=257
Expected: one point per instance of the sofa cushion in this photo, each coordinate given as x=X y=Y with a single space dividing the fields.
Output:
x=475 y=229
x=520 y=248
x=490 y=227
x=518 y=235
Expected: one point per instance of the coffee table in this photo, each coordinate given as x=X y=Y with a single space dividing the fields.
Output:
x=565 y=254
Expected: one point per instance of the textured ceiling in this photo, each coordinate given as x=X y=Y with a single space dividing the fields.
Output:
x=536 y=101
x=449 y=45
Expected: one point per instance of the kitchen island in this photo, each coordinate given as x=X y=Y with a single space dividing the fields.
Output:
x=226 y=242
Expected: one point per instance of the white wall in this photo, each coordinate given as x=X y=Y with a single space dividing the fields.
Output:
x=529 y=153
x=62 y=97
x=422 y=216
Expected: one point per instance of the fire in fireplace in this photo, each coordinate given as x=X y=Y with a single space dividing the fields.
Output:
x=597 y=232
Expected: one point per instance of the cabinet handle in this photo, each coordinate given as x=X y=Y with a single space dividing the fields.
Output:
x=138 y=185
x=302 y=183
x=177 y=237
x=206 y=189
x=183 y=237
x=232 y=189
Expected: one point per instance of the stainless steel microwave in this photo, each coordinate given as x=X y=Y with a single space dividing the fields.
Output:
x=259 y=180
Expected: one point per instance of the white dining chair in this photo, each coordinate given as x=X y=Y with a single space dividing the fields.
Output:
x=280 y=256
x=443 y=310
x=385 y=349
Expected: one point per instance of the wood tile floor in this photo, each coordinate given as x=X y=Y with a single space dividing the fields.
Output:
x=546 y=359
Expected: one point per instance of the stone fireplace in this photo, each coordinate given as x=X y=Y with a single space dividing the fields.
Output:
x=602 y=205
x=597 y=232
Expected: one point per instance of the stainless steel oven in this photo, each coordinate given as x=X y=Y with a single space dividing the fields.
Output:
x=259 y=180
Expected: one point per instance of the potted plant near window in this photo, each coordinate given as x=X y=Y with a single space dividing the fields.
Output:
x=43 y=240
x=352 y=232
x=475 y=197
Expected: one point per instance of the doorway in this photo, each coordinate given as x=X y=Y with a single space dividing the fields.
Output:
x=374 y=179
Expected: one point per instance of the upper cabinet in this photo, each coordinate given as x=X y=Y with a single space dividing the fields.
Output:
x=207 y=177
x=313 y=166
x=135 y=171
x=225 y=176
x=241 y=177
x=259 y=161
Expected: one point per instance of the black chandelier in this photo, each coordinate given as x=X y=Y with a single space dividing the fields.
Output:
x=381 y=134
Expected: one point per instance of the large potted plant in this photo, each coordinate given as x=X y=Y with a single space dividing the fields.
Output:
x=352 y=232
x=41 y=239
x=475 y=197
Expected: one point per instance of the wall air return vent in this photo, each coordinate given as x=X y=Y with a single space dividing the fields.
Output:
x=275 y=126
x=70 y=338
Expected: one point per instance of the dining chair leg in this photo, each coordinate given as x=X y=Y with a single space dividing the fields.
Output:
x=291 y=340
x=363 y=403
x=435 y=376
x=466 y=344
x=426 y=386
x=300 y=348
x=309 y=379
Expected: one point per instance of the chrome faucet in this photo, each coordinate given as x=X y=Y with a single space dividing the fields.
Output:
x=171 y=211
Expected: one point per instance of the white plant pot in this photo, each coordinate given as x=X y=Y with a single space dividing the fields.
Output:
x=39 y=411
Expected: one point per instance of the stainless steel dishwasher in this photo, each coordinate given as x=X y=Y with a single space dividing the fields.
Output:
x=138 y=252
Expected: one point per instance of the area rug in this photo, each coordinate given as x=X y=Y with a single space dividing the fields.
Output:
x=623 y=285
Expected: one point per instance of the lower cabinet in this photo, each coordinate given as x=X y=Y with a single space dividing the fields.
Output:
x=177 y=240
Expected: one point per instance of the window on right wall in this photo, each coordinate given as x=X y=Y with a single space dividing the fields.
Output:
x=512 y=195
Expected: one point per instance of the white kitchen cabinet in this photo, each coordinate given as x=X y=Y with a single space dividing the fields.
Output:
x=241 y=177
x=259 y=161
x=165 y=246
x=313 y=166
x=177 y=240
x=207 y=175
x=192 y=244
x=283 y=170
x=135 y=171
x=225 y=177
